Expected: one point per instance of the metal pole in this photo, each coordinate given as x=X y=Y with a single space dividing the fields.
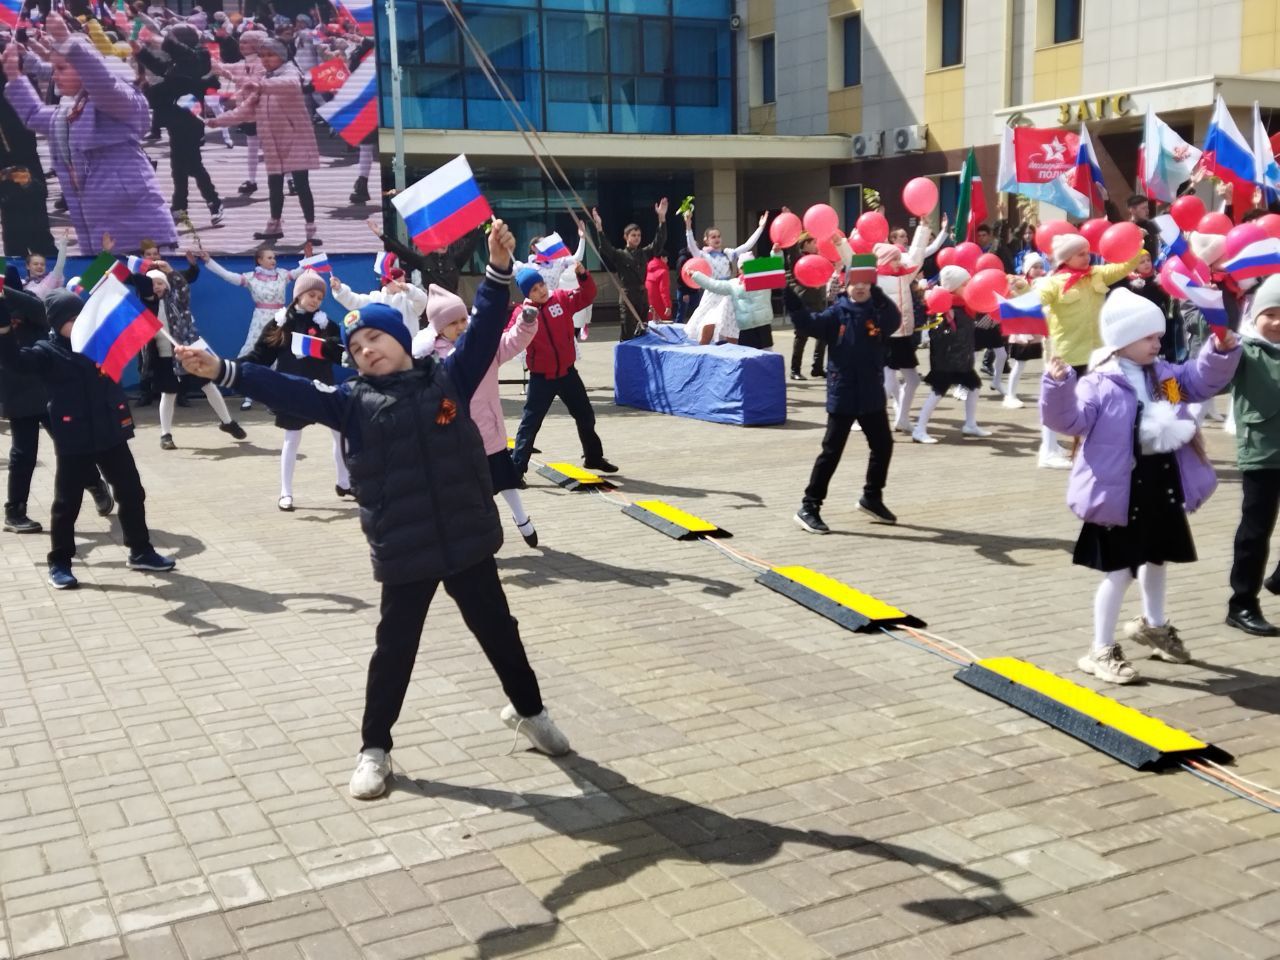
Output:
x=397 y=119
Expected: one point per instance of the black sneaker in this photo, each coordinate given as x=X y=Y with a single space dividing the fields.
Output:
x=217 y=213
x=166 y=442
x=342 y=491
x=61 y=578
x=600 y=464
x=877 y=509
x=247 y=188
x=528 y=531
x=19 y=522
x=1252 y=621
x=103 y=501
x=810 y=521
x=797 y=375
x=152 y=561
x=234 y=429
x=818 y=373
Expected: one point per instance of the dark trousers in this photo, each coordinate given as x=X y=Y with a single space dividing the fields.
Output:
x=541 y=392
x=875 y=427
x=630 y=327
x=1257 y=522
x=121 y=472
x=186 y=163
x=301 y=183
x=24 y=446
x=686 y=303
x=478 y=593
x=819 y=354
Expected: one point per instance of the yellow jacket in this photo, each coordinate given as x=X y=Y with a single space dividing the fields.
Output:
x=1073 y=314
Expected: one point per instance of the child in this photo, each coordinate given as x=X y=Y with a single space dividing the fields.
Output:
x=549 y=357
x=91 y=425
x=1256 y=388
x=855 y=329
x=744 y=316
x=1141 y=469
x=814 y=300
x=896 y=270
x=396 y=292
x=951 y=361
x=446 y=322
x=418 y=466
x=275 y=348
x=1023 y=346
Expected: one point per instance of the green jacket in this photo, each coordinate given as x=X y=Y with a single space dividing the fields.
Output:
x=1256 y=390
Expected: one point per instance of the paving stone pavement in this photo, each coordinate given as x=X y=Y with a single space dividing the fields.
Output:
x=750 y=780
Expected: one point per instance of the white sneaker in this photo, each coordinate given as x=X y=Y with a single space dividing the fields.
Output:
x=973 y=430
x=902 y=426
x=919 y=436
x=1109 y=665
x=1053 y=461
x=373 y=770
x=1010 y=402
x=541 y=731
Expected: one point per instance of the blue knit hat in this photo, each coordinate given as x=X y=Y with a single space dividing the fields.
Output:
x=380 y=317
x=527 y=279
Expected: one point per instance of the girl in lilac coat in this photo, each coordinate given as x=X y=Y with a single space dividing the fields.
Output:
x=1140 y=469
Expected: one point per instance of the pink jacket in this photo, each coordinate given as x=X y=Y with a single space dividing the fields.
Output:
x=276 y=103
x=486 y=407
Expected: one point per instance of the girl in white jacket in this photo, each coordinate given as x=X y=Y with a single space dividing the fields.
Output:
x=395 y=292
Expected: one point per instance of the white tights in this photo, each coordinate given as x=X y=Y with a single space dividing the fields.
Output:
x=170 y=400
x=997 y=367
x=365 y=162
x=289 y=457
x=901 y=394
x=1152 y=579
x=931 y=402
x=1015 y=374
x=516 y=505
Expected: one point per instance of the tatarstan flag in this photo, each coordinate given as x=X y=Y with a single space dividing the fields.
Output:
x=971 y=208
x=763 y=273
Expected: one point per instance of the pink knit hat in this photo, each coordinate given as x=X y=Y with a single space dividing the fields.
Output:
x=308 y=280
x=443 y=308
x=886 y=254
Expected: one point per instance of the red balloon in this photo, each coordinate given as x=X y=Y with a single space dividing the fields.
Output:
x=860 y=243
x=1270 y=223
x=1218 y=223
x=1241 y=236
x=1187 y=211
x=694 y=265
x=981 y=292
x=1172 y=265
x=1092 y=230
x=946 y=257
x=938 y=300
x=829 y=250
x=967 y=255
x=821 y=220
x=873 y=227
x=1121 y=242
x=920 y=196
x=989 y=261
x=1047 y=231
x=813 y=270
x=785 y=229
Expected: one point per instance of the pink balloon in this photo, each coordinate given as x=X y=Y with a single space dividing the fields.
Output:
x=1241 y=236
x=1047 y=231
x=1121 y=242
x=785 y=229
x=829 y=250
x=1092 y=230
x=967 y=255
x=1187 y=211
x=1270 y=223
x=946 y=257
x=859 y=243
x=1218 y=223
x=989 y=261
x=873 y=227
x=812 y=270
x=920 y=196
x=821 y=221
x=938 y=300
x=694 y=265
x=981 y=292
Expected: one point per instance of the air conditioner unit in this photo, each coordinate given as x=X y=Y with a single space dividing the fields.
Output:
x=910 y=139
x=866 y=145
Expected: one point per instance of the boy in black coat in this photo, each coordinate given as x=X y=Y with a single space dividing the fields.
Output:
x=855 y=329
x=91 y=425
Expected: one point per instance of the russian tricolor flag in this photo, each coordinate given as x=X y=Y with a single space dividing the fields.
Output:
x=1259 y=259
x=353 y=111
x=1207 y=299
x=191 y=103
x=384 y=263
x=361 y=12
x=1266 y=172
x=304 y=346
x=551 y=247
x=113 y=327
x=1172 y=242
x=443 y=206
x=1024 y=314
x=319 y=263
x=1086 y=178
x=10 y=13
x=1228 y=157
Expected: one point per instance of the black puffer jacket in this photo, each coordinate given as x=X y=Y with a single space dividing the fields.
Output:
x=23 y=394
x=951 y=346
x=857 y=336
x=275 y=349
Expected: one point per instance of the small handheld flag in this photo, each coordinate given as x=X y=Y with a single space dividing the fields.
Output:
x=191 y=103
x=384 y=263
x=319 y=263
x=113 y=326
x=1208 y=300
x=763 y=273
x=1258 y=259
x=361 y=14
x=1022 y=314
x=304 y=346
x=443 y=206
x=353 y=111
x=551 y=247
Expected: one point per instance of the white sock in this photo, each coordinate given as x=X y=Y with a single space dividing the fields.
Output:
x=365 y=162
x=253 y=159
x=1106 y=608
x=167 y=402
x=890 y=383
x=288 y=458
x=1015 y=374
x=971 y=409
x=215 y=400
x=516 y=505
x=344 y=478
x=926 y=410
x=998 y=367
x=1152 y=578
x=1048 y=443
x=907 y=393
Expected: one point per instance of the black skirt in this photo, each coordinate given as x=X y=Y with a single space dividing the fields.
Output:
x=758 y=338
x=1026 y=351
x=940 y=381
x=902 y=354
x=503 y=472
x=1157 y=531
x=986 y=335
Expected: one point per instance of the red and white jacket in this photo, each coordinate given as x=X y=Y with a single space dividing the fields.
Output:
x=553 y=349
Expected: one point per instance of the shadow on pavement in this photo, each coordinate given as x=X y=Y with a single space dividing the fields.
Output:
x=559 y=566
x=231 y=451
x=995 y=547
x=1252 y=691
x=668 y=829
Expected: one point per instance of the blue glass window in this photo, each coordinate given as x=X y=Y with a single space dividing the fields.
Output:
x=768 y=72
x=851 y=30
x=1066 y=20
x=952 y=33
